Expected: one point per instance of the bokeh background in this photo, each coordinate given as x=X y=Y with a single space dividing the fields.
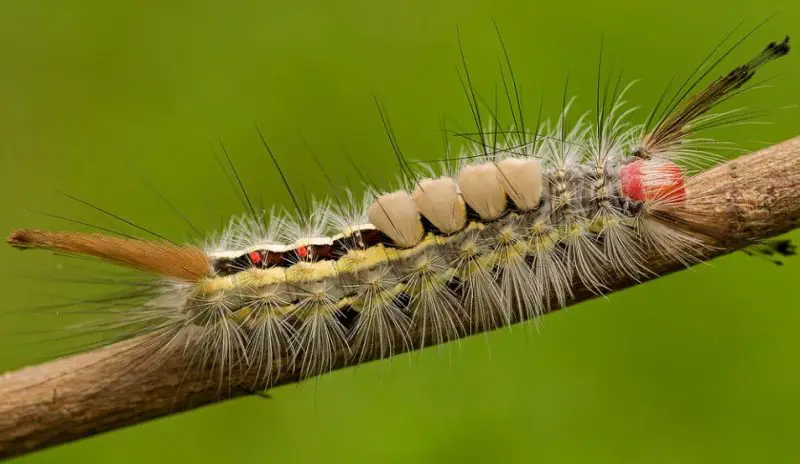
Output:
x=700 y=366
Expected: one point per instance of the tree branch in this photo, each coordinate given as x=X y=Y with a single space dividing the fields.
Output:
x=754 y=197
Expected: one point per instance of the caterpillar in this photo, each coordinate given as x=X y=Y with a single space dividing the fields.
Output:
x=497 y=236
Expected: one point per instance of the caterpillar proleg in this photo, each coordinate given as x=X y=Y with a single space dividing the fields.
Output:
x=499 y=239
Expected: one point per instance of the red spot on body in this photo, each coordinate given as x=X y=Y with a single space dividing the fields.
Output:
x=631 y=177
x=302 y=252
x=255 y=257
x=653 y=180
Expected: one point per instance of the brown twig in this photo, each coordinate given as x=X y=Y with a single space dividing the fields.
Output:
x=754 y=197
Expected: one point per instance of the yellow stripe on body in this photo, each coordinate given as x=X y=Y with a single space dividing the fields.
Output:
x=357 y=261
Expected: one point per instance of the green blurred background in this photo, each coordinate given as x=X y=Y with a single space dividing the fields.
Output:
x=699 y=366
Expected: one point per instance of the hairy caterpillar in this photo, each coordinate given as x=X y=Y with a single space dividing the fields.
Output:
x=495 y=241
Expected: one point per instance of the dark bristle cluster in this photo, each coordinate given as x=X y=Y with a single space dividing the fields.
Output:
x=686 y=116
x=769 y=249
x=778 y=49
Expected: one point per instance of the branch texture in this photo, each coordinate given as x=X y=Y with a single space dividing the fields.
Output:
x=753 y=197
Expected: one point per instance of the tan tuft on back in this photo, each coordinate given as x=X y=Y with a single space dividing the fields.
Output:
x=180 y=262
x=395 y=215
x=439 y=201
x=482 y=190
x=522 y=180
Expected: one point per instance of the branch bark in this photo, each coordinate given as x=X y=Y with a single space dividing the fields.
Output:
x=754 y=197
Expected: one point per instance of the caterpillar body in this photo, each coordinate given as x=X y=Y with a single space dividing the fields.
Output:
x=500 y=238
